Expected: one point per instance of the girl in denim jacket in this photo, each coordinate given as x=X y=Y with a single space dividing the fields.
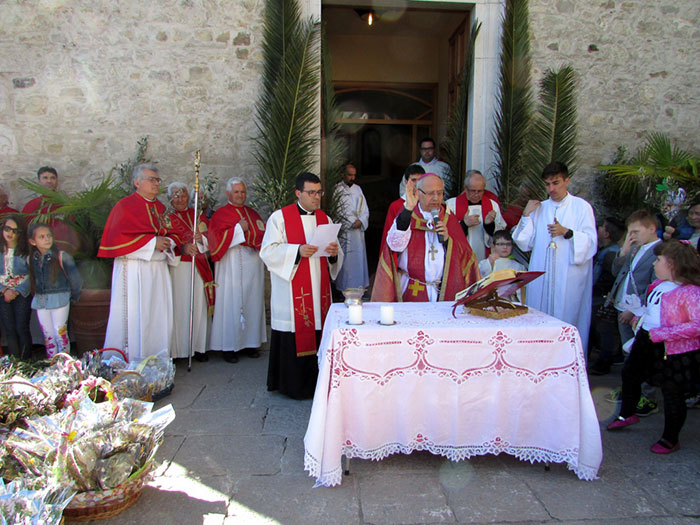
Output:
x=16 y=302
x=55 y=282
x=666 y=349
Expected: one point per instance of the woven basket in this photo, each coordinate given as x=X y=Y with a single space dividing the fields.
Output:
x=99 y=504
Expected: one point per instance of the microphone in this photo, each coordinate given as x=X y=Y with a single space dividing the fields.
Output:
x=436 y=217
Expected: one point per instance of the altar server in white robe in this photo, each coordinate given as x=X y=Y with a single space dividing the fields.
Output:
x=137 y=236
x=300 y=289
x=355 y=219
x=182 y=226
x=235 y=234
x=479 y=214
x=561 y=232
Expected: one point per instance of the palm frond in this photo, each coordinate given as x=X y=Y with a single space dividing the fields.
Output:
x=514 y=100
x=454 y=148
x=286 y=111
x=335 y=150
x=553 y=135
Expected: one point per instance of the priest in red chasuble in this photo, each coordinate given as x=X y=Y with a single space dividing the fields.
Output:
x=301 y=288
x=137 y=237
x=189 y=245
x=426 y=256
x=235 y=234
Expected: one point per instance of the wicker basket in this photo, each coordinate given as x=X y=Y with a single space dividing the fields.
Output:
x=99 y=504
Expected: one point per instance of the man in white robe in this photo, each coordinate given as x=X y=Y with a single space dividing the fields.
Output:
x=480 y=215
x=141 y=310
x=300 y=289
x=235 y=234
x=561 y=232
x=355 y=219
x=431 y=164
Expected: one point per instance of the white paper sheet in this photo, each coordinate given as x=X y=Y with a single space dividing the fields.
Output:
x=324 y=235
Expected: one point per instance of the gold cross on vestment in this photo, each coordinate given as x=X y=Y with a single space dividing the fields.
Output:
x=432 y=251
x=302 y=310
x=415 y=288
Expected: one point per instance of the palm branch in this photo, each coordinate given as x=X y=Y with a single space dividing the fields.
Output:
x=286 y=111
x=514 y=100
x=335 y=151
x=454 y=148
x=553 y=135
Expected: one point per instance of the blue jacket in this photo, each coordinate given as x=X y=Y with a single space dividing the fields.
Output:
x=20 y=266
x=69 y=280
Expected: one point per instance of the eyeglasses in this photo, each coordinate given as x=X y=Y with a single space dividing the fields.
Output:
x=503 y=244
x=10 y=229
x=474 y=191
x=427 y=149
x=436 y=193
x=157 y=180
x=313 y=193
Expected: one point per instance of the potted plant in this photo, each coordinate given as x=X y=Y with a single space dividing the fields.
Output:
x=86 y=213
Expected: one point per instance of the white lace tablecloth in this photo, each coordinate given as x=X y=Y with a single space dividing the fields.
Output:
x=456 y=387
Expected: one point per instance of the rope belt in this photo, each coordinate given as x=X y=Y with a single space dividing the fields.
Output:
x=435 y=284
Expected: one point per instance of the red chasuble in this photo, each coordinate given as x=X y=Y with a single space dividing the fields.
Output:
x=131 y=224
x=460 y=270
x=182 y=224
x=304 y=324
x=222 y=226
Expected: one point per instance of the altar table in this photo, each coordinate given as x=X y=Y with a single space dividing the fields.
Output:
x=457 y=387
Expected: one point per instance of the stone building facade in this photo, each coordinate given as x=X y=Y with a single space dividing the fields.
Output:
x=82 y=80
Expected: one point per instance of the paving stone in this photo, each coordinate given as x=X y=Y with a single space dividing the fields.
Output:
x=612 y=496
x=419 y=461
x=301 y=504
x=221 y=397
x=182 y=396
x=222 y=455
x=168 y=449
x=293 y=458
x=287 y=420
x=477 y=495
x=217 y=422
x=393 y=497
x=675 y=487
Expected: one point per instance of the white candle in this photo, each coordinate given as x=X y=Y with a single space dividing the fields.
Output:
x=387 y=314
x=355 y=314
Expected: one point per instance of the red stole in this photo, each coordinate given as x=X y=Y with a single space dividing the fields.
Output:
x=304 y=324
x=222 y=226
x=131 y=224
x=181 y=230
x=462 y=206
x=460 y=269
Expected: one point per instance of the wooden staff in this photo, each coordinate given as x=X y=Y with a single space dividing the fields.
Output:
x=194 y=241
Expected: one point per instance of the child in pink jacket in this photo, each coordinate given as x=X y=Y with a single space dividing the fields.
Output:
x=666 y=349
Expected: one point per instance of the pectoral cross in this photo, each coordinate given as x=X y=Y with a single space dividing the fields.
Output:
x=432 y=251
x=415 y=288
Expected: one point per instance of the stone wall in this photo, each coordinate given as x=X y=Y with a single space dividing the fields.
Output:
x=82 y=80
x=639 y=68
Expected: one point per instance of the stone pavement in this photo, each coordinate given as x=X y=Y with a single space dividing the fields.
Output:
x=234 y=454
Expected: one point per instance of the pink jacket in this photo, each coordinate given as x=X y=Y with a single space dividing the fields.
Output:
x=680 y=319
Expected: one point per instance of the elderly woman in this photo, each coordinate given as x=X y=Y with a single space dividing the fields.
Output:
x=182 y=219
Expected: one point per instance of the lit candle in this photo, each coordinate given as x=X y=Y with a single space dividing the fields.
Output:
x=387 y=314
x=355 y=314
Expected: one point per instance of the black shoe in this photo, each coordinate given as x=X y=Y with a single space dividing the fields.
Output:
x=599 y=368
x=230 y=357
x=202 y=357
x=252 y=353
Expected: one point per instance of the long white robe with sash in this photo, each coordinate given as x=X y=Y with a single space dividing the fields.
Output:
x=239 y=312
x=141 y=308
x=565 y=292
x=280 y=257
x=354 y=272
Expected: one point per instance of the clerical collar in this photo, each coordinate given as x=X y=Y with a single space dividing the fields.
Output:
x=303 y=211
x=146 y=198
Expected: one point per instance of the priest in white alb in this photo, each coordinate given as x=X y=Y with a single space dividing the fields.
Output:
x=136 y=235
x=235 y=234
x=300 y=288
x=355 y=219
x=561 y=233
x=479 y=214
